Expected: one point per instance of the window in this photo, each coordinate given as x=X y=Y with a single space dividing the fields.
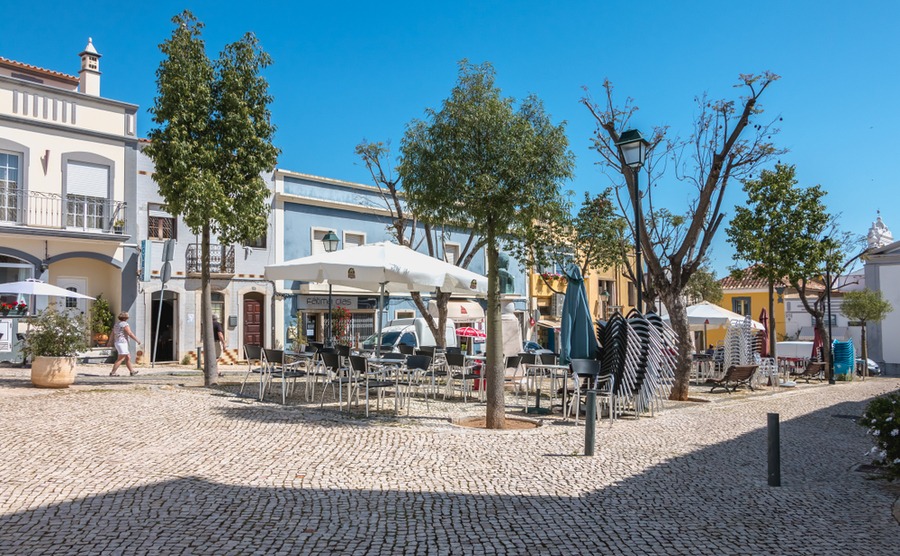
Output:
x=812 y=319
x=258 y=243
x=9 y=187
x=160 y=224
x=741 y=306
x=71 y=302
x=317 y=246
x=352 y=239
x=87 y=187
x=218 y=306
x=451 y=252
x=632 y=294
x=404 y=314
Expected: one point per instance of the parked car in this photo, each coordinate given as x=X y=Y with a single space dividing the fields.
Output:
x=411 y=332
x=874 y=369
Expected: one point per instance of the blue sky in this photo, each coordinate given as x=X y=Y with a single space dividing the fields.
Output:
x=349 y=71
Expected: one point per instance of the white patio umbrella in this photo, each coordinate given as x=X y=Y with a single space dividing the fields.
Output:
x=36 y=287
x=717 y=317
x=373 y=266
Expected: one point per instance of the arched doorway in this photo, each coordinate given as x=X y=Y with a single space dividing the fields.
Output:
x=254 y=319
x=163 y=317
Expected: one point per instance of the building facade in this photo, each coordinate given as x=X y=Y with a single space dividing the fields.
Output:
x=67 y=183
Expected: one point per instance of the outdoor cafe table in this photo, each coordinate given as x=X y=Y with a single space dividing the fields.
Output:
x=556 y=372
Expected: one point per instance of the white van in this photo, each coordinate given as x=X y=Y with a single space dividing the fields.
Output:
x=412 y=332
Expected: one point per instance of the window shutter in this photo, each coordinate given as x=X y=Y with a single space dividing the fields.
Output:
x=91 y=180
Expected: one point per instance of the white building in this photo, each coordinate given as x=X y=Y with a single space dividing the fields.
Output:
x=882 y=272
x=67 y=179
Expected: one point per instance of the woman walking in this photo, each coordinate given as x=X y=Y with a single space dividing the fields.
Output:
x=121 y=334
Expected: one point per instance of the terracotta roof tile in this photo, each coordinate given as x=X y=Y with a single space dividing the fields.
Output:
x=29 y=67
x=750 y=282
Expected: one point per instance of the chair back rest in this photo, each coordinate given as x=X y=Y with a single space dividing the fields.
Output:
x=585 y=367
x=406 y=349
x=311 y=348
x=252 y=353
x=513 y=361
x=327 y=350
x=452 y=349
x=740 y=372
x=456 y=359
x=420 y=362
x=274 y=356
x=394 y=355
x=358 y=363
x=343 y=351
x=331 y=360
x=530 y=358
x=318 y=345
x=426 y=350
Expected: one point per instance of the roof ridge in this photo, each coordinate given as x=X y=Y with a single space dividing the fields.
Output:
x=31 y=67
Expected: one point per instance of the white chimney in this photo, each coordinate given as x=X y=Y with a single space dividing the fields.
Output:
x=89 y=83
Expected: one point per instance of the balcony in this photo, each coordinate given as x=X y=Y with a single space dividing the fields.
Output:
x=221 y=259
x=52 y=211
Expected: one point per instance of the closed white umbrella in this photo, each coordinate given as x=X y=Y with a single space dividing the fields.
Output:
x=36 y=287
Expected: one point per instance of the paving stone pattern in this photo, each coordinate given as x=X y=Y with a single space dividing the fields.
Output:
x=158 y=464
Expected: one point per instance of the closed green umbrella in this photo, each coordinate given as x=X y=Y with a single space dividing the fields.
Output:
x=577 y=339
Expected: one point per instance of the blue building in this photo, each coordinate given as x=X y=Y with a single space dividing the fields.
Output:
x=307 y=207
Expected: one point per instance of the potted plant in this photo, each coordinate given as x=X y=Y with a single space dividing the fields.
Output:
x=54 y=339
x=118 y=226
x=101 y=320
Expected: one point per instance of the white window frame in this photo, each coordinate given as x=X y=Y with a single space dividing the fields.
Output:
x=455 y=247
x=315 y=244
x=347 y=233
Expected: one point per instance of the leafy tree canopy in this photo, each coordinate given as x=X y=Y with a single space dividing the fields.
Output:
x=866 y=306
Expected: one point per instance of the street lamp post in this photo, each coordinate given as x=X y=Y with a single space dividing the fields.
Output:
x=829 y=250
x=330 y=241
x=633 y=152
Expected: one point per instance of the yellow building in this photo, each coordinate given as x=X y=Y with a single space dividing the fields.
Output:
x=748 y=296
x=607 y=291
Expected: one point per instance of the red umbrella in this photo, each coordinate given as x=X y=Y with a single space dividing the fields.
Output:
x=469 y=332
x=764 y=333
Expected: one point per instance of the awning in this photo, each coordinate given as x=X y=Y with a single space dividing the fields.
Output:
x=459 y=310
x=549 y=323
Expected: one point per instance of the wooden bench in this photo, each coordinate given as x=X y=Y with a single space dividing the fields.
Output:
x=814 y=369
x=735 y=376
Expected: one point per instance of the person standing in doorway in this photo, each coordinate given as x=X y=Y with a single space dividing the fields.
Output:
x=120 y=334
x=219 y=335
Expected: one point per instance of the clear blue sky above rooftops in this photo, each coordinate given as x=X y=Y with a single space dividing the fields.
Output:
x=347 y=71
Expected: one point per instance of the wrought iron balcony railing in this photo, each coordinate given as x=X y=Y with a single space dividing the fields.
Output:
x=221 y=259
x=51 y=210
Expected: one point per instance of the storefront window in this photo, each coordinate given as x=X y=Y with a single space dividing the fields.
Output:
x=13 y=270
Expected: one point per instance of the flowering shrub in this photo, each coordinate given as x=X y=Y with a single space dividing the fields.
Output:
x=882 y=417
x=552 y=276
x=340 y=325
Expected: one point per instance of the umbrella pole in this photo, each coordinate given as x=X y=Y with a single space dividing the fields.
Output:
x=380 y=320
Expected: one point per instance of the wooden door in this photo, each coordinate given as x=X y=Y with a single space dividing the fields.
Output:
x=253 y=321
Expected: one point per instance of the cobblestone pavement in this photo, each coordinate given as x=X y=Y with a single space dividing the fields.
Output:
x=158 y=464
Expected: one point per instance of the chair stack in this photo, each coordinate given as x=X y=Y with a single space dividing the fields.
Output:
x=844 y=358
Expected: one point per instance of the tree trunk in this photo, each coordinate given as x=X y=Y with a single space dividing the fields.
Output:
x=210 y=365
x=493 y=368
x=679 y=321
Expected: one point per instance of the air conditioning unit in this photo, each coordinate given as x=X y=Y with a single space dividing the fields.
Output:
x=556 y=304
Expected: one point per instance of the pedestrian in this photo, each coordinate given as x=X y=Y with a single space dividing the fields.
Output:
x=120 y=335
x=219 y=335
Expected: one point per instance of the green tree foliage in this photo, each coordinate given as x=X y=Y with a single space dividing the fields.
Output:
x=407 y=230
x=592 y=239
x=498 y=168
x=729 y=142
x=865 y=306
x=787 y=234
x=213 y=139
x=703 y=286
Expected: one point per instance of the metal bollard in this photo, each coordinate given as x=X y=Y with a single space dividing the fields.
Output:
x=590 y=422
x=199 y=357
x=774 y=450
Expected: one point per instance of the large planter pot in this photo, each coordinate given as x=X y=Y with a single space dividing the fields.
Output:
x=53 y=372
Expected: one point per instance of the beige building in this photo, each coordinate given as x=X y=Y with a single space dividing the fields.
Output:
x=67 y=181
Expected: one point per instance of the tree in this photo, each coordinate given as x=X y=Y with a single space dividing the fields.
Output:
x=404 y=228
x=786 y=232
x=480 y=161
x=764 y=232
x=729 y=141
x=703 y=286
x=213 y=139
x=592 y=239
x=865 y=306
